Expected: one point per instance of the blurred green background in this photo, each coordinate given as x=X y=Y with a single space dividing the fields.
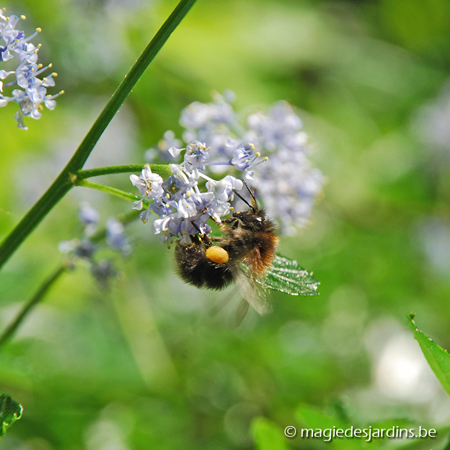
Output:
x=143 y=365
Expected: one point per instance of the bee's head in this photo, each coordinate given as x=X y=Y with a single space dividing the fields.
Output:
x=252 y=219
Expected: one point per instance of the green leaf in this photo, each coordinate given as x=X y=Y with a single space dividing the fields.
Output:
x=10 y=411
x=289 y=277
x=267 y=435
x=437 y=357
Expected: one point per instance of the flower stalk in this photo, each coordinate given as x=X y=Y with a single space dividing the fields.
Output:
x=63 y=182
x=108 y=189
x=161 y=169
x=44 y=288
x=35 y=299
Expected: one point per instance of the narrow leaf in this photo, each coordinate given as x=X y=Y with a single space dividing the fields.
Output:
x=437 y=357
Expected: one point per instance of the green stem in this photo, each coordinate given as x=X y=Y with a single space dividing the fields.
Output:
x=47 y=284
x=108 y=189
x=63 y=182
x=161 y=169
x=43 y=289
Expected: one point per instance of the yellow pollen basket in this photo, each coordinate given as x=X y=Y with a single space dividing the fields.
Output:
x=217 y=254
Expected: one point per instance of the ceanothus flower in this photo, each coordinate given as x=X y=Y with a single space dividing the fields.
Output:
x=9 y=34
x=162 y=148
x=225 y=188
x=196 y=156
x=31 y=91
x=204 y=116
x=213 y=123
x=182 y=208
x=187 y=220
x=288 y=185
x=103 y=272
x=115 y=236
x=88 y=215
x=149 y=185
x=86 y=248
x=179 y=184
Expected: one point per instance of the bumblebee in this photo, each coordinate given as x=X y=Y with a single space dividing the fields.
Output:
x=213 y=263
x=245 y=254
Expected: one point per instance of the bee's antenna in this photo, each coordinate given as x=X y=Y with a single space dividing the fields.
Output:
x=244 y=200
x=254 y=205
x=248 y=188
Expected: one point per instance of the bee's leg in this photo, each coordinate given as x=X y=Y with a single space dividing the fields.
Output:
x=194 y=239
x=230 y=220
x=201 y=236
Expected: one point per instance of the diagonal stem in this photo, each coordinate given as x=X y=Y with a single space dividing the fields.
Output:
x=50 y=281
x=63 y=182
x=43 y=289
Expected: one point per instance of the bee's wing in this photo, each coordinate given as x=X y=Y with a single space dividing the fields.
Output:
x=252 y=291
x=289 y=277
x=285 y=275
x=241 y=312
x=221 y=303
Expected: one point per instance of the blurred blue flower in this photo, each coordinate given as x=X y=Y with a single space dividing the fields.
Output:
x=103 y=272
x=115 y=236
x=288 y=185
x=86 y=249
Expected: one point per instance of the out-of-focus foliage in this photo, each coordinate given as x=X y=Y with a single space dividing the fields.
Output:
x=267 y=435
x=143 y=364
x=324 y=425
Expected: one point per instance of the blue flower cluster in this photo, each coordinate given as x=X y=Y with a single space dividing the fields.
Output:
x=287 y=186
x=31 y=91
x=182 y=207
x=85 y=249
